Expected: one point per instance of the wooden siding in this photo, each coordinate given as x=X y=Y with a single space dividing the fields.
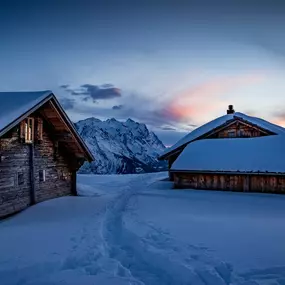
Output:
x=238 y=129
x=231 y=182
x=15 y=157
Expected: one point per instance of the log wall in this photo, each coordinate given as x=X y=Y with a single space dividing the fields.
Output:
x=15 y=170
x=231 y=182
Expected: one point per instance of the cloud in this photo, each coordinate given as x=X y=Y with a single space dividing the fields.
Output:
x=167 y=128
x=278 y=116
x=67 y=103
x=101 y=92
x=205 y=97
x=118 y=107
x=184 y=110
x=95 y=92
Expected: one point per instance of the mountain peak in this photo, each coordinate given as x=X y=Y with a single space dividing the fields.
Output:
x=90 y=120
x=112 y=120
x=131 y=121
x=120 y=147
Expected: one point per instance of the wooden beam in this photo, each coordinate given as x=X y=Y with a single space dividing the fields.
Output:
x=67 y=127
x=32 y=174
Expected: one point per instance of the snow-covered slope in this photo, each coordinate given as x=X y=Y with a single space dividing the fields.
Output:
x=120 y=147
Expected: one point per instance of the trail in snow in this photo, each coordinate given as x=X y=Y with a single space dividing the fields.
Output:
x=156 y=258
x=130 y=231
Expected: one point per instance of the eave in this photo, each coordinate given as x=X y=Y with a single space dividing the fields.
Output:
x=228 y=172
x=26 y=114
x=50 y=97
x=215 y=130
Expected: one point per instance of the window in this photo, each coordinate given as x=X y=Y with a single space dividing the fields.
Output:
x=63 y=175
x=241 y=133
x=42 y=175
x=231 y=134
x=20 y=178
x=29 y=130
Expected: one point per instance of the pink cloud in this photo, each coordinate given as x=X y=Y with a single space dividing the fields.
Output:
x=207 y=97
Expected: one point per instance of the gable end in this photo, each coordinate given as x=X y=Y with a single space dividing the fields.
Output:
x=234 y=128
x=237 y=128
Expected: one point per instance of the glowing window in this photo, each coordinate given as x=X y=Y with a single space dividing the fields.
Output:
x=29 y=130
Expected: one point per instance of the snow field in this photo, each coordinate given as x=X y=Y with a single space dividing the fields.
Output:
x=135 y=229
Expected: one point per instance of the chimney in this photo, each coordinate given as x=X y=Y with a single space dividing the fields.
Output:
x=231 y=110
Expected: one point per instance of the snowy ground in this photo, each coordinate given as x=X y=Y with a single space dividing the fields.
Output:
x=134 y=229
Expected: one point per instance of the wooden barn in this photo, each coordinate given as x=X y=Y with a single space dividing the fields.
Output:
x=233 y=152
x=40 y=150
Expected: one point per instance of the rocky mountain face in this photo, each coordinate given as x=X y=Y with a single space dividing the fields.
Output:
x=120 y=147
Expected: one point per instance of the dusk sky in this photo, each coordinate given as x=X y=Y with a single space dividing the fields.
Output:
x=173 y=65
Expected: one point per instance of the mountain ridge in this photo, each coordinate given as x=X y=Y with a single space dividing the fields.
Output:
x=120 y=147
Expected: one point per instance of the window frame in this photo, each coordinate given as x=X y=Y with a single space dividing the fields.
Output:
x=231 y=134
x=29 y=130
x=21 y=181
x=42 y=175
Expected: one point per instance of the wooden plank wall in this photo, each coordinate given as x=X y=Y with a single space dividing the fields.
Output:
x=58 y=171
x=14 y=158
x=238 y=130
x=244 y=183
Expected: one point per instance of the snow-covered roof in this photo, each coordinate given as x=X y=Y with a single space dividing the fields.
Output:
x=16 y=104
x=219 y=122
x=261 y=154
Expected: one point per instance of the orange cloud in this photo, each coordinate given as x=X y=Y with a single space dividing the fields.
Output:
x=279 y=119
x=207 y=96
x=280 y=122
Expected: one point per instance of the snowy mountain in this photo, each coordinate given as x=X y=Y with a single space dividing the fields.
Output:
x=120 y=147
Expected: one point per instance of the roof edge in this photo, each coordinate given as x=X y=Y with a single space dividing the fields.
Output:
x=70 y=123
x=236 y=116
x=227 y=172
x=48 y=95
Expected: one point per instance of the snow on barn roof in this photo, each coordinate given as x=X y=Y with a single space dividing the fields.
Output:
x=260 y=154
x=15 y=104
x=219 y=122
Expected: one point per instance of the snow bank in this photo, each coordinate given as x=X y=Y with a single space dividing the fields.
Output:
x=262 y=154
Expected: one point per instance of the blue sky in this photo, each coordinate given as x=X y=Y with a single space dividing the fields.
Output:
x=173 y=65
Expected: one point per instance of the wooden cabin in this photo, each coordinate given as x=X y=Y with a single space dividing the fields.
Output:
x=228 y=139
x=40 y=150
